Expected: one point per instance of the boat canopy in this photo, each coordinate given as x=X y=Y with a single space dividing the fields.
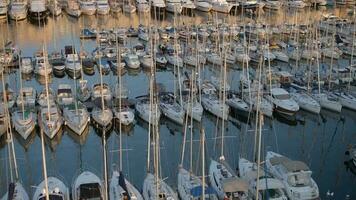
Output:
x=290 y=165
x=234 y=184
x=198 y=191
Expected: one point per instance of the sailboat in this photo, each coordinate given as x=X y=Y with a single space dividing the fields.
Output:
x=18 y=10
x=54 y=8
x=171 y=108
x=212 y=103
x=87 y=186
x=76 y=117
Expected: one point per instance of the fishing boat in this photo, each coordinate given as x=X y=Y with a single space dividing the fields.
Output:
x=171 y=108
x=26 y=65
x=87 y=186
x=211 y=102
x=87 y=7
x=64 y=95
x=225 y=183
x=102 y=7
x=73 y=66
x=295 y=175
x=146 y=111
x=41 y=64
x=50 y=120
x=54 y=8
x=38 y=11
x=56 y=190
x=306 y=102
x=76 y=117
x=121 y=188
x=174 y=6
x=101 y=90
x=72 y=8
x=18 y=10
x=282 y=101
x=15 y=191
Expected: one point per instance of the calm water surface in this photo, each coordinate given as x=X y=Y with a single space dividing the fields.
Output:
x=320 y=141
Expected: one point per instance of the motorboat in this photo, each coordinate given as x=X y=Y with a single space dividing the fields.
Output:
x=147 y=111
x=192 y=107
x=73 y=66
x=102 y=116
x=28 y=98
x=225 y=182
x=54 y=8
x=76 y=117
x=124 y=114
x=42 y=66
x=190 y=186
x=174 y=6
x=272 y=4
x=3 y=9
x=15 y=191
x=38 y=11
x=26 y=65
x=295 y=175
x=296 y=4
x=64 y=95
x=236 y=103
x=159 y=6
x=171 y=108
x=56 y=190
x=203 y=5
x=149 y=189
x=143 y=6
x=328 y=101
x=188 y=6
x=9 y=95
x=24 y=122
x=306 y=102
x=87 y=7
x=83 y=91
x=221 y=6
x=282 y=101
x=18 y=10
x=121 y=188
x=73 y=8
x=268 y=186
x=50 y=120
x=99 y=90
x=102 y=7
x=132 y=61
x=211 y=102
x=87 y=186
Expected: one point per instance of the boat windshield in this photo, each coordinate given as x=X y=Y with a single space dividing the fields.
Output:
x=271 y=194
x=282 y=96
x=52 y=197
x=90 y=191
x=299 y=180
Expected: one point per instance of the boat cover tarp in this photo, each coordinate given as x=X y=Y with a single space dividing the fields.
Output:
x=234 y=184
x=197 y=191
x=290 y=165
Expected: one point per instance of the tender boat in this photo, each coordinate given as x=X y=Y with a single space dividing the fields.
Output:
x=121 y=188
x=102 y=7
x=226 y=183
x=76 y=117
x=295 y=175
x=149 y=113
x=149 y=190
x=282 y=101
x=269 y=187
x=171 y=108
x=87 y=186
x=87 y=7
x=56 y=190
x=38 y=10
x=50 y=120
x=18 y=10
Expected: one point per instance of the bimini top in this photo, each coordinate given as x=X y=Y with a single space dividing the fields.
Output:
x=234 y=184
x=290 y=165
x=197 y=191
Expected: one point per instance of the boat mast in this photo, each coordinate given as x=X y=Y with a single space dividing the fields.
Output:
x=21 y=89
x=352 y=52
x=203 y=161
x=118 y=63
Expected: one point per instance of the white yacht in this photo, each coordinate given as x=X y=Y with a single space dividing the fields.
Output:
x=346 y=100
x=56 y=190
x=121 y=188
x=73 y=8
x=18 y=10
x=268 y=186
x=192 y=107
x=203 y=5
x=306 y=102
x=42 y=66
x=221 y=6
x=38 y=10
x=15 y=191
x=24 y=122
x=64 y=95
x=50 y=120
x=76 y=117
x=212 y=103
x=87 y=186
x=87 y=7
x=99 y=90
x=42 y=97
x=132 y=61
x=149 y=113
x=226 y=183
x=236 y=103
x=149 y=189
x=102 y=7
x=102 y=117
x=28 y=98
x=282 y=101
x=328 y=102
x=26 y=65
x=174 y=6
x=3 y=9
x=295 y=175
x=171 y=108
x=73 y=66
